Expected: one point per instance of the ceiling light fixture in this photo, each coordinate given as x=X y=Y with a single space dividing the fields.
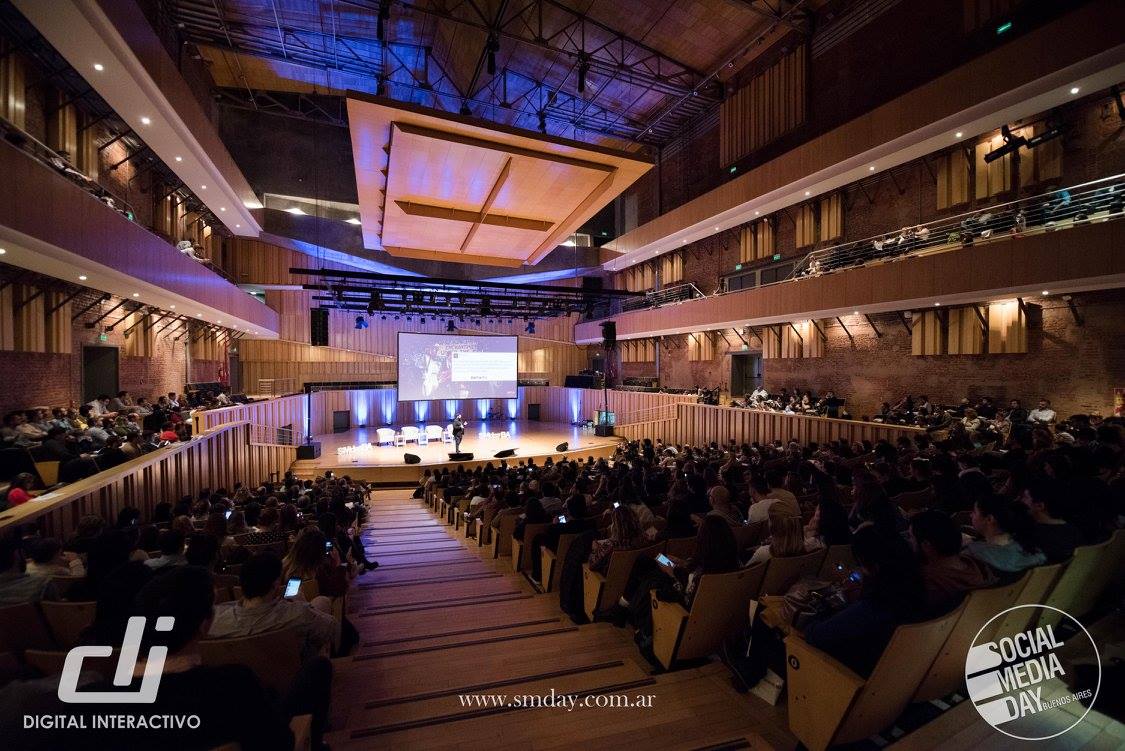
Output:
x=136 y=294
x=295 y=210
x=81 y=277
x=146 y=121
x=1046 y=292
x=353 y=220
x=99 y=67
x=958 y=134
x=1074 y=89
x=807 y=193
x=222 y=208
x=203 y=187
x=179 y=159
x=2 y=251
x=871 y=168
x=171 y=307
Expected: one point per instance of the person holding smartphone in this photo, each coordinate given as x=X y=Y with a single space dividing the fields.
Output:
x=716 y=552
x=313 y=557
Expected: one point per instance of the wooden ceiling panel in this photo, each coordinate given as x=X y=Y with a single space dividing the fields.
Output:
x=447 y=186
x=502 y=242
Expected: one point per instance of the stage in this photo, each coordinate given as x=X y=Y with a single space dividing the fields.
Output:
x=386 y=464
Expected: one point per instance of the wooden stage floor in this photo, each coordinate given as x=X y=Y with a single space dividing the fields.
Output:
x=536 y=440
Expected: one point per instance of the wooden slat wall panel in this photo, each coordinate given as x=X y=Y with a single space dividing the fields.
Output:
x=701 y=423
x=965 y=336
x=768 y=106
x=60 y=329
x=377 y=407
x=831 y=217
x=215 y=459
x=277 y=413
x=1007 y=328
x=805 y=218
x=952 y=179
x=13 y=86
x=925 y=333
x=30 y=319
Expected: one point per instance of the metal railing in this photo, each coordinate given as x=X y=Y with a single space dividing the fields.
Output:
x=665 y=296
x=271 y=435
x=1098 y=200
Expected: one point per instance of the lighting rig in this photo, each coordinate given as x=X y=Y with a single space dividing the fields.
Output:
x=397 y=296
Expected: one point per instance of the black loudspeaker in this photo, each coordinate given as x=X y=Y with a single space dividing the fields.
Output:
x=309 y=450
x=603 y=430
x=609 y=335
x=318 y=327
x=592 y=284
x=533 y=412
x=564 y=446
x=505 y=454
x=464 y=456
x=411 y=458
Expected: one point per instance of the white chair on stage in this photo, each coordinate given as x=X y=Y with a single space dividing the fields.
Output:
x=409 y=434
x=447 y=436
x=384 y=436
x=434 y=433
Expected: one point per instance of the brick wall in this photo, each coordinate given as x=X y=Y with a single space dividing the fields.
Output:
x=39 y=378
x=1076 y=367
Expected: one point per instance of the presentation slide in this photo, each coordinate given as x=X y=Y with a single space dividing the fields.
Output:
x=447 y=366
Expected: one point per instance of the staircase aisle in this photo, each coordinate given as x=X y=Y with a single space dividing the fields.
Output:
x=440 y=618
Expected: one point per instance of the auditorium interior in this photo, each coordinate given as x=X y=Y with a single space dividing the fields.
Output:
x=477 y=374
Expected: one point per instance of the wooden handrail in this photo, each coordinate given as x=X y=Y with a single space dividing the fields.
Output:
x=52 y=501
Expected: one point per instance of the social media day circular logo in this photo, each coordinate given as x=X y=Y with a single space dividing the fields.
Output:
x=1022 y=672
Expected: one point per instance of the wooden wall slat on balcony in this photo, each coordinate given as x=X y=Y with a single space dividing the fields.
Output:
x=218 y=458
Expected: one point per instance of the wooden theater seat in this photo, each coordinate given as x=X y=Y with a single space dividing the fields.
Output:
x=502 y=539
x=1081 y=585
x=749 y=535
x=521 y=546
x=549 y=568
x=1038 y=583
x=947 y=673
x=601 y=591
x=273 y=656
x=682 y=548
x=22 y=628
x=67 y=620
x=830 y=704
x=914 y=501
x=50 y=662
x=719 y=609
x=782 y=573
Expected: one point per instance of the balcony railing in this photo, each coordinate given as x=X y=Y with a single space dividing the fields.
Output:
x=665 y=296
x=1099 y=200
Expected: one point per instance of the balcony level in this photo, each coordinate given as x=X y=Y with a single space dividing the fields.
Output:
x=1076 y=257
x=51 y=225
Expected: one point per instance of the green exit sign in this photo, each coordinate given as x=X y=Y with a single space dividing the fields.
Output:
x=777 y=256
x=103 y=337
x=738 y=267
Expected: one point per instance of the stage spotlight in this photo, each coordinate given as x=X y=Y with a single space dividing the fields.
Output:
x=449 y=325
x=583 y=71
x=360 y=322
x=542 y=121
x=1012 y=144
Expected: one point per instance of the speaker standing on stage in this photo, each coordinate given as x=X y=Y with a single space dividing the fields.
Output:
x=458 y=433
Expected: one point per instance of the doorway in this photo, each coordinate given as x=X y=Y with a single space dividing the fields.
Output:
x=99 y=372
x=745 y=373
